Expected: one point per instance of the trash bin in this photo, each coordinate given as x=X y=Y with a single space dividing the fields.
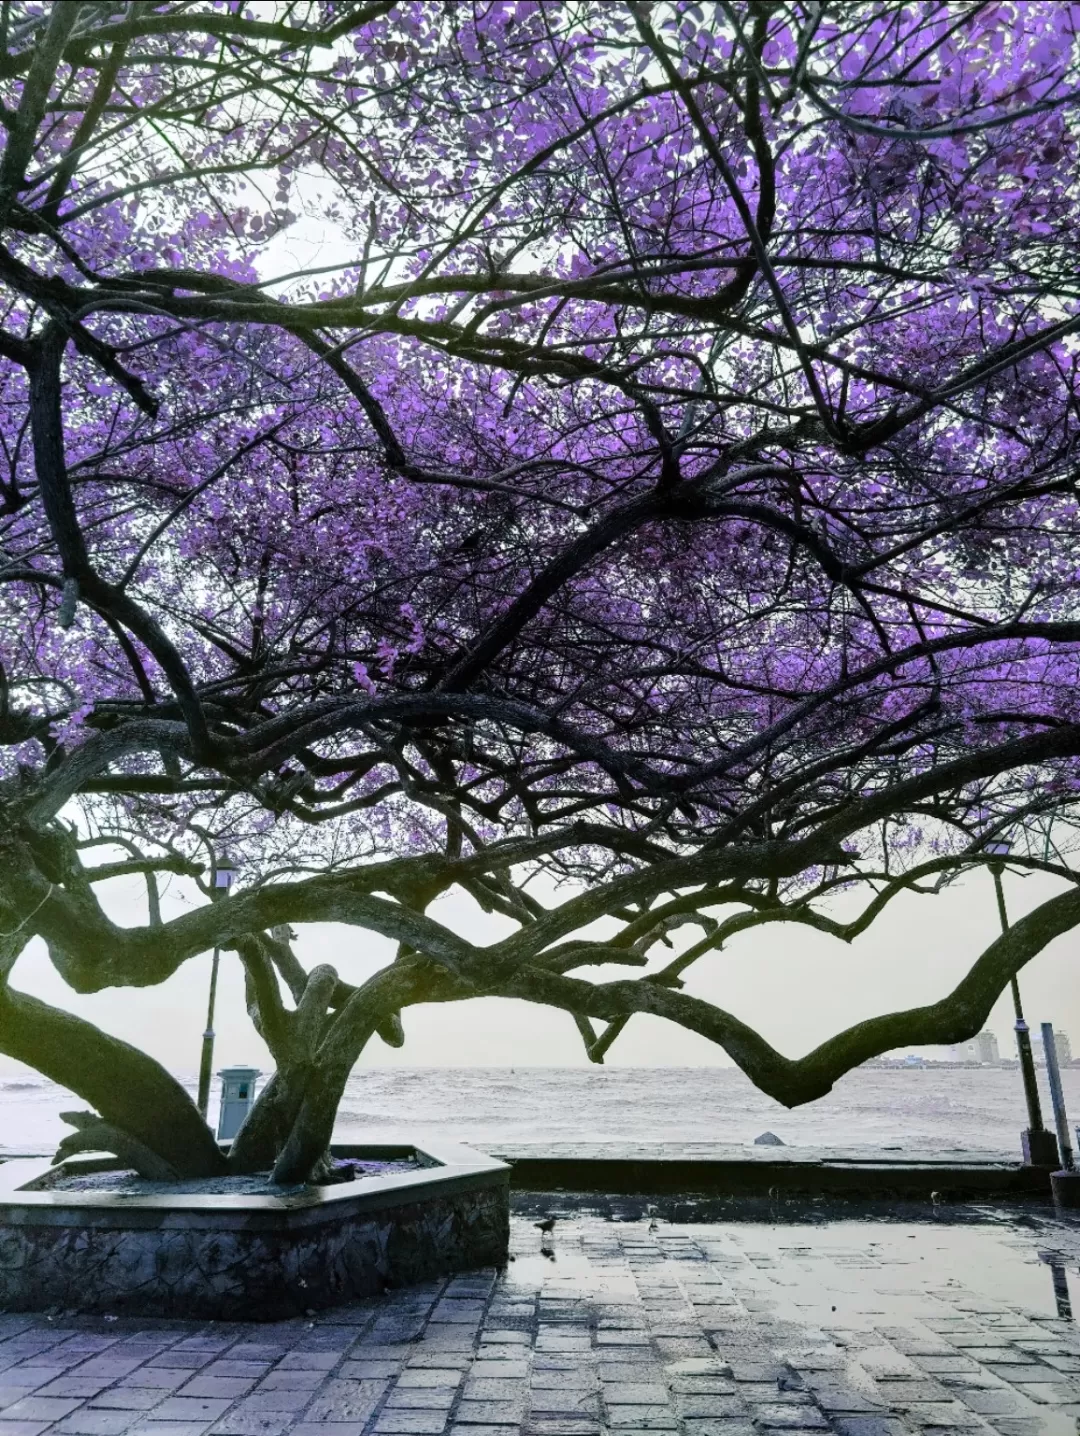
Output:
x=237 y=1098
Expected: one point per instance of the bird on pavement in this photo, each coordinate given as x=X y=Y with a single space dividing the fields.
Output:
x=547 y=1226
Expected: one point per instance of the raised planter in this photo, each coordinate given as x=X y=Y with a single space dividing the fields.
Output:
x=252 y=1257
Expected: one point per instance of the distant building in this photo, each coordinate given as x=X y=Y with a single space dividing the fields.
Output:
x=982 y=1048
x=1062 y=1046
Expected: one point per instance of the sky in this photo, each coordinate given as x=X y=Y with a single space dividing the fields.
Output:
x=795 y=985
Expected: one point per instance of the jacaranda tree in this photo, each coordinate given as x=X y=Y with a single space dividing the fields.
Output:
x=661 y=486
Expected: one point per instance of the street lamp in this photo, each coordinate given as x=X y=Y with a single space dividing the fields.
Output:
x=223 y=873
x=1039 y=1146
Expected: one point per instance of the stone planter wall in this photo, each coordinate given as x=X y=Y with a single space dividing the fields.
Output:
x=255 y=1258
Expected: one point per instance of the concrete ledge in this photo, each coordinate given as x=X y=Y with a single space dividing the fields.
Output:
x=795 y=1175
x=250 y=1257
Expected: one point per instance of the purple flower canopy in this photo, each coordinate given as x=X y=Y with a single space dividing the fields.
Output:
x=664 y=474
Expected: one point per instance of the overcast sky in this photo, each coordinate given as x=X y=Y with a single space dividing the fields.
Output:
x=796 y=986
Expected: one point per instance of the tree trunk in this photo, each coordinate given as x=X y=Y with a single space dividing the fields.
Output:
x=125 y=1087
x=267 y=1126
x=307 y=1149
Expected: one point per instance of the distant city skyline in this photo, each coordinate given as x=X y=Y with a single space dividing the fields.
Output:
x=985 y=1048
x=1062 y=1046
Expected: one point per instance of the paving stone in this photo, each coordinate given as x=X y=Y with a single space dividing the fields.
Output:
x=642 y=1418
x=768 y=1392
x=81 y=1386
x=552 y=1401
x=458 y=1311
x=154 y=1378
x=870 y=1426
x=495 y=1369
x=39 y=1408
x=309 y=1360
x=328 y=1428
x=276 y=1400
x=191 y=1408
x=611 y=1371
x=721 y=1426
x=1061 y=1363
x=449 y=1338
x=230 y=1386
x=562 y=1426
x=367 y=1370
x=227 y=1367
x=97 y=1423
x=700 y=1407
x=937 y=1365
x=346 y=1401
x=1044 y=1393
x=291 y=1381
x=698 y=1366
x=127 y=1398
x=843 y=1400
x=108 y=1367
x=185 y=1360
x=894 y=1392
x=634 y=1393
x=410 y=1423
x=1034 y=1374
x=575 y=1379
x=32 y=1375
x=460 y=1430
x=758 y=1371
x=789 y=1418
x=441 y=1376
x=495 y=1389
x=169 y=1428
x=429 y=1398
x=703 y=1386
x=254 y=1423
x=490 y=1413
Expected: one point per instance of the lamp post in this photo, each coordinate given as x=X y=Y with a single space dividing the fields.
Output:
x=1039 y=1146
x=222 y=875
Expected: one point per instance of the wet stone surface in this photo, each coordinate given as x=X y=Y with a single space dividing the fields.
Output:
x=726 y=1321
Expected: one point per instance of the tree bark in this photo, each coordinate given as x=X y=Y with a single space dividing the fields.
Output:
x=266 y=1129
x=308 y=1145
x=126 y=1088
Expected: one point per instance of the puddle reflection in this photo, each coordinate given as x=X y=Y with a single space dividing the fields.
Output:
x=823 y=1260
x=1058 y=1274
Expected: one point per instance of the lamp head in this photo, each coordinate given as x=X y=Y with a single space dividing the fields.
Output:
x=225 y=872
x=998 y=848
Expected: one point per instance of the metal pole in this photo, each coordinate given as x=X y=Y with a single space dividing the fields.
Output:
x=1038 y=1143
x=207 y=1063
x=1057 y=1096
x=1027 y=1064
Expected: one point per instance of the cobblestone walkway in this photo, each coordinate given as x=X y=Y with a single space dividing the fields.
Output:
x=866 y=1328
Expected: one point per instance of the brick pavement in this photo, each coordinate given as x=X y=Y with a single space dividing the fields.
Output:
x=865 y=1328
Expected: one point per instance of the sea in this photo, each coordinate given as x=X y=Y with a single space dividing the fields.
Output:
x=912 y=1111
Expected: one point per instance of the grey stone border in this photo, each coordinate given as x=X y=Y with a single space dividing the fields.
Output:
x=251 y=1256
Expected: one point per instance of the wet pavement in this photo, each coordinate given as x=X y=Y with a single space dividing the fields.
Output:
x=703 y=1318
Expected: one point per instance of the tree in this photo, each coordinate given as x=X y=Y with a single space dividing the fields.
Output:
x=664 y=482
